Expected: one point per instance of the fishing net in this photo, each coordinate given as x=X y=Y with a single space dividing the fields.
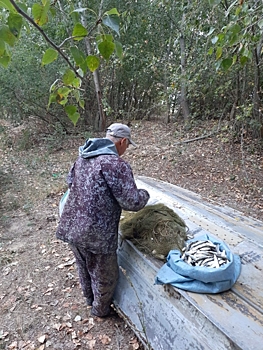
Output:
x=154 y=230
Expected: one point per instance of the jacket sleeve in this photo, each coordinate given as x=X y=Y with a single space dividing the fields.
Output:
x=119 y=178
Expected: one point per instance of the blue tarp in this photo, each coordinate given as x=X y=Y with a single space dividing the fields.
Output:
x=200 y=279
x=63 y=202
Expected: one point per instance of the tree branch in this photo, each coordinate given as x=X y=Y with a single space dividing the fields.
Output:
x=203 y=136
x=57 y=48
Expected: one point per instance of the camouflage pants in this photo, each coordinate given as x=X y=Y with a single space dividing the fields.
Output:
x=98 y=275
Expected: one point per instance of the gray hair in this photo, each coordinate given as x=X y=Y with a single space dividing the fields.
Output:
x=113 y=138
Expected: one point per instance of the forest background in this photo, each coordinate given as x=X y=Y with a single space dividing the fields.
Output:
x=131 y=60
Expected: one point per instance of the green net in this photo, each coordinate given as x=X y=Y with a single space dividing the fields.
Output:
x=154 y=230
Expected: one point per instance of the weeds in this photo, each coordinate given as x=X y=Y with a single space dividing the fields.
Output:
x=25 y=141
x=12 y=203
x=5 y=179
x=28 y=207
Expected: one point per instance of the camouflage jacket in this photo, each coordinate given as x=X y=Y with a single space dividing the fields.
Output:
x=101 y=185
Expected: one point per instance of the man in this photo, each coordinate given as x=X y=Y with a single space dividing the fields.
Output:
x=101 y=185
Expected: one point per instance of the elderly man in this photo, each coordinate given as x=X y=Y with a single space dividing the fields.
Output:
x=101 y=185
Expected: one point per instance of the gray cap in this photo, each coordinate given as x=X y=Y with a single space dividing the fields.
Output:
x=120 y=130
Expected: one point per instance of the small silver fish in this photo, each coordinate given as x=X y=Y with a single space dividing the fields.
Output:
x=205 y=254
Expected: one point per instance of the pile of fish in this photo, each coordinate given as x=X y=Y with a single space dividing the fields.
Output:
x=204 y=253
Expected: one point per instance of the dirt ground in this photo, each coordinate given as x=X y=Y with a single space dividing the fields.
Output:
x=41 y=304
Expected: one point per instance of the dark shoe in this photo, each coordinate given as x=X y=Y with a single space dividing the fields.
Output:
x=110 y=312
x=99 y=315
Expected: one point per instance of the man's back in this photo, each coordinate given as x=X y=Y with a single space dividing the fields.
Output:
x=99 y=188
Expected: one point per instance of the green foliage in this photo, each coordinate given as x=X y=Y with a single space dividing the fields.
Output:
x=68 y=77
x=79 y=58
x=24 y=84
x=79 y=32
x=40 y=13
x=72 y=113
x=15 y=23
x=45 y=17
x=238 y=34
x=112 y=20
x=49 y=56
x=25 y=141
x=106 y=48
x=119 y=50
x=7 y=36
x=138 y=51
x=7 y=5
x=93 y=63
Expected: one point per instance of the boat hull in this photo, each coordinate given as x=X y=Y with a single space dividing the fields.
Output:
x=167 y=318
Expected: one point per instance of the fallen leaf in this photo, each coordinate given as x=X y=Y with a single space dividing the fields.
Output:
x=133 y=340
x=77 y=342
x=6 y=271
x=70 y=276
x=48 y=291
x=81 y=334
x=54 y=303
x=42 y=339
x=66 y=305
x=86 y=320
x=91 y=344
x=91 y=323
x=41 y=347
x=3 y=334
x=135 y=346
x=74 y=335
x=69 y=263
x=26 y=345
x=13 y=345
x=61 y=266
x=105 y=339
x=66 y=317
x=86 y=329
x=89 y=336
x=48 y=344
x=57 y=326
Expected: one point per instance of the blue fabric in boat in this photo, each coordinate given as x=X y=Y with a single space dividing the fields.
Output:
x=200 y=279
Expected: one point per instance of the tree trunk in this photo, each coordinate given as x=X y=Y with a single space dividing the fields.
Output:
x=257 y=114
x=236 y=99
x=167 y=118
x=100 y=119
x=184 y=102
